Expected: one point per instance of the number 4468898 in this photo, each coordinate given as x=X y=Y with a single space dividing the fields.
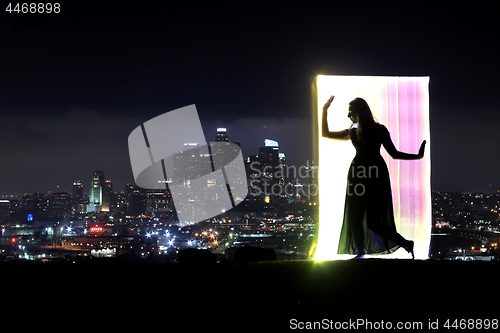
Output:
x=471 y=324
x=34 y=8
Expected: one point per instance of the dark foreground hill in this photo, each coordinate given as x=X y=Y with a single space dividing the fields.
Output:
x=268 y=295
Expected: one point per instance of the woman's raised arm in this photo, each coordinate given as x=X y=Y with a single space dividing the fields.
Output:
x=325 y=132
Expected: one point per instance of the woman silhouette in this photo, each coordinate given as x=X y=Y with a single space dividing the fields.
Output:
x=368 y=226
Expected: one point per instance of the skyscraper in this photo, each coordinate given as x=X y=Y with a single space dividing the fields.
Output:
x=107 y=188
x=221 y=135
x=59 y=204
x=78 y=192
x=269 y=164
x=96 y=189
x=109 y=198
x=136 y=200
x=100 y=176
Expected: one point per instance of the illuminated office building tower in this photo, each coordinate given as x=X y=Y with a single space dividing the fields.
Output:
x=159 y=203
x=282 y=159
x=109 y=202
x=109 y=198
x=78 y=191
x=5 y=211
x=282 y=169
x=100 y=175
x=59 y=204
x=187 y=164
x=96 y=188
x=108 y=187
x=136 y=200
x=269 y=165
x=221 y=135
x=252 y=170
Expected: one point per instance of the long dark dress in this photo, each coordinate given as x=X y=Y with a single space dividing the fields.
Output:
x=368 y=226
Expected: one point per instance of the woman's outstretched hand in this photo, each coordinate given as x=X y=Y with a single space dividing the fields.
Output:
x=422 y=149
x=327 y=104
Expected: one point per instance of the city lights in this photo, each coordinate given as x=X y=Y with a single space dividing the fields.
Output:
x=96 y=229
x=143 y=222
x=402 y=105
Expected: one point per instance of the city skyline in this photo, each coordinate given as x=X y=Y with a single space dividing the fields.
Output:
x=76 y=85
x=122 y=183
x=58 y=186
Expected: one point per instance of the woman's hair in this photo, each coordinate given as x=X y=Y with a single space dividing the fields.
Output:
x=366 y=121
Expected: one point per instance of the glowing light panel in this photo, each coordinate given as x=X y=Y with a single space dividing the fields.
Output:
x=271 y=143
x=402 y=105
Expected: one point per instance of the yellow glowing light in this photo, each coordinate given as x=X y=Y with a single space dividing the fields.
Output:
x=402 y=105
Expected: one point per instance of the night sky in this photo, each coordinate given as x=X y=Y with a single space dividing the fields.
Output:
x=72 y=88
